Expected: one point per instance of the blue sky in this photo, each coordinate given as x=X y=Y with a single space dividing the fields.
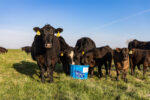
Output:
x=107 y=22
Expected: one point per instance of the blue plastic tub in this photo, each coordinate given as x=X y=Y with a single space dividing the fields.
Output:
x=79 y=71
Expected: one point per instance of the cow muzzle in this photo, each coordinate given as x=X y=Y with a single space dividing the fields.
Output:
x=48 y=45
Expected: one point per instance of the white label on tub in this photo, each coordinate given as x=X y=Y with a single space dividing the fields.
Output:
x=85 y=70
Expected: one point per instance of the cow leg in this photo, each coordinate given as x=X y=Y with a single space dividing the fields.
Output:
x=91 y=71
x=117 y=73
x=65 y=68
x=124 y=75
x=106 y=68
x=131 y=65
x=133 y=70
x=51 y=74
x=40 y=69
x=144 y=70
x=48 y=71
x=68 y=69
x=139 y=68
x=100 y=71
x=110 y=65
x=42 y=75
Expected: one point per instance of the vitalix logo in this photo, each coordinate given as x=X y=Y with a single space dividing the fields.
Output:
x=79 y=74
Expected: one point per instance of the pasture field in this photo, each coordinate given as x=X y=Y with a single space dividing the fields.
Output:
x=19 y=81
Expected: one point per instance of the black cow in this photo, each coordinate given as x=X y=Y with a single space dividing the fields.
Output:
x=98 y=57
x=3 y=50
x=46 y=49
x=145 y=45
x=83 y=45
x=64 y=55
x=27 y=49
x=72 y=55
x=138 y=57
x=139 y=44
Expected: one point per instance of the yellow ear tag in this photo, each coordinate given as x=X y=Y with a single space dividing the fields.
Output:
x=58 y=34
x=38 y=33
x=130 y=52
x=83 y=52
x=61 y=54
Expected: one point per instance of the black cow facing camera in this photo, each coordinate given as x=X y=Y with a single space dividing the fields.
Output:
x=46 y=49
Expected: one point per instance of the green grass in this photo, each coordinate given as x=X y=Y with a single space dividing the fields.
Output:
x=19 y=81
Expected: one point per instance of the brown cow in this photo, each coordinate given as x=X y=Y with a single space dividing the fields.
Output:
x=137 y=57
x=121 y=61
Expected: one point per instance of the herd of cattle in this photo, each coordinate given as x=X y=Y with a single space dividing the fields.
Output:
x=49 y=48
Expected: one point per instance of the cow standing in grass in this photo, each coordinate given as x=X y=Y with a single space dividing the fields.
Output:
x=46 y=49
x=65 y=48
x=145 y=45
x=138 y=57
x=27 y=49
x=98 y=57
x=72 y=55
x=83 y=45
x=121 y=61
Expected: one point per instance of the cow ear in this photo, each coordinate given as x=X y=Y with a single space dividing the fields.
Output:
x=61 y=54
x=83 y=52
x=58 y=30
x=36 y=29
x=118 y=49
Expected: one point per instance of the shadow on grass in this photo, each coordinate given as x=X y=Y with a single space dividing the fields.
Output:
x=59 y=69
x=30 y=68
x=27 y=68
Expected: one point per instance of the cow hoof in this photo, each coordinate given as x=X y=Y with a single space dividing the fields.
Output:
x=117 y=79
x=110 y=76
x=47 y=76
x=126 y=80
x=91 y=76
x=39 y=76
x=143 y=78
x=50 y=81
x=43 y=81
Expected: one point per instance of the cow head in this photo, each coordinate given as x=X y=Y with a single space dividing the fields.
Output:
x=71 y=56
x=132 y=44
x=68 y=56
x=47 y=34
x=124 y=53
x=88 y=59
